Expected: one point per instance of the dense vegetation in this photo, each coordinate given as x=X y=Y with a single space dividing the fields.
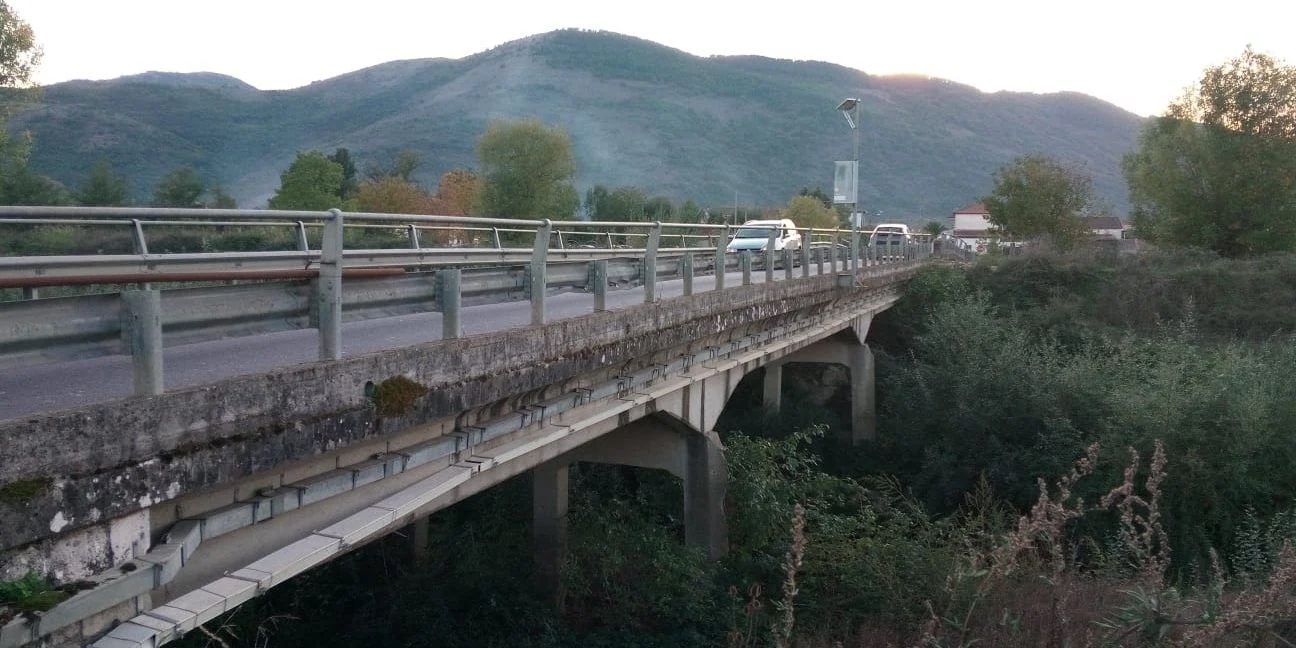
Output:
x=1159 y=373
x=638 y=114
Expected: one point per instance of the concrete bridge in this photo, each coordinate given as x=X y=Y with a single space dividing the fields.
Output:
x=176 y=495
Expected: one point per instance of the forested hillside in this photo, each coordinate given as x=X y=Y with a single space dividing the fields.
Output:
x=639 y=114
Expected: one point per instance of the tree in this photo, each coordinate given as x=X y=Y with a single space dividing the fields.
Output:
x=934 y=228
x=220 y=199
x=690 y=212
x=103 y=188
x=20 y=186
x=659 y=208
x=179 y=188
x=350 y=183
x=458 y=193
x=392 y=195
x=1036 y=197
x=1218 y=170
x=809 y=211
x=312 y=182
x=818 y=194
x=402 y=168
x=529 y=170
x=19 y=54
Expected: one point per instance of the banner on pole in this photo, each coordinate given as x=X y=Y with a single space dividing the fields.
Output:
x=844 y=189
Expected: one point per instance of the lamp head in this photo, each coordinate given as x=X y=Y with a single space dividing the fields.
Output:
x=846 y=106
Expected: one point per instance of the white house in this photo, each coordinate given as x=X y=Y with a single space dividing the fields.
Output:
x=972 y=229
x=1106 y=227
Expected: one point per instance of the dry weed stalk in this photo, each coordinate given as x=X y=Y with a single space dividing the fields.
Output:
x=782 y=627
x=745 y=637
x=1141 y=531
x=1038 y=533
x=1254 y=613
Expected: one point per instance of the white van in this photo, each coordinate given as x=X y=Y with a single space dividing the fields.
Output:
x=753 y=235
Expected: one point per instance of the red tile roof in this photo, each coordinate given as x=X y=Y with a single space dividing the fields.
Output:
x=974 y=208
x=1104 y=222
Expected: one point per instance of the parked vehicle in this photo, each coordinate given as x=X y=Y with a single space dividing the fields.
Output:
x=890 y=239
x=754 y=235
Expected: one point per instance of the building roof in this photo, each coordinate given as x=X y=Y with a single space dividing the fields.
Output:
x=974 y=208
x=1104 y=223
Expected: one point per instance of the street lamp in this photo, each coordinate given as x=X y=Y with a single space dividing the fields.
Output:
x=846 y=107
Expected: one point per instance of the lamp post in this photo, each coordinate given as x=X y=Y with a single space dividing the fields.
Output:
x=846 y=107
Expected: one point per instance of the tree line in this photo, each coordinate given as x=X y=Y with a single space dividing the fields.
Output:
x=1215 y=172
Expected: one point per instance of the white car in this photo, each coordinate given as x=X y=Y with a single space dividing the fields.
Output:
x=890 y=233
x=754 y=235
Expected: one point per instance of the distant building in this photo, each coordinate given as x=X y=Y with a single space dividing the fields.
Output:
x=972 y=229
x=1106 y=227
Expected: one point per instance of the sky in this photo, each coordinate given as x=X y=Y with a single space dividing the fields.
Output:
x=1137 y=54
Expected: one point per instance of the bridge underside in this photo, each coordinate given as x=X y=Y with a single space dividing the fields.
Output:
x=643 y=387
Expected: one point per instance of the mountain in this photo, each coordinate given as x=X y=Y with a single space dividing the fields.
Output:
x=638 y=114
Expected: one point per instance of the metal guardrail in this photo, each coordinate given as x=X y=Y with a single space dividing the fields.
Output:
x=134 y=320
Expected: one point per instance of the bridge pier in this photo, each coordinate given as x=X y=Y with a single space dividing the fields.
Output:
x=661 y=442
x=844 y=348
x=549 y=490
x=773 y=394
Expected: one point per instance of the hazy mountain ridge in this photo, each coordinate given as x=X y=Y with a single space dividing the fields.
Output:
x=639 y=114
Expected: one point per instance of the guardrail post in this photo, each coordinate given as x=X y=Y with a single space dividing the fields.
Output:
x=805 y=254
x=650 y=263
x=302 y=244
x=745 y=263
x=137 y=237
x=328 y=294
x=787 y=263
x=449 y=300
x=496 y=237
x=769 y=255
x=600 y=285
x=855 y=250
x=539 y=257
x=142 y=330
x=686 y=273
x=720 y=265
x=413 y=237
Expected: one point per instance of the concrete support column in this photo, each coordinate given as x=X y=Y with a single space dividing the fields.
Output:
x=705 y=482
x=28 y=292
x=650 y=263
x=418 y=535
x=142 y=330
x=600 y=285
x=686 y=273
x=450 y=300
x=721 y=265
x=537 y=279
x=773 y=400
x=328 y=292
x=863 y=394
x=549 y=525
